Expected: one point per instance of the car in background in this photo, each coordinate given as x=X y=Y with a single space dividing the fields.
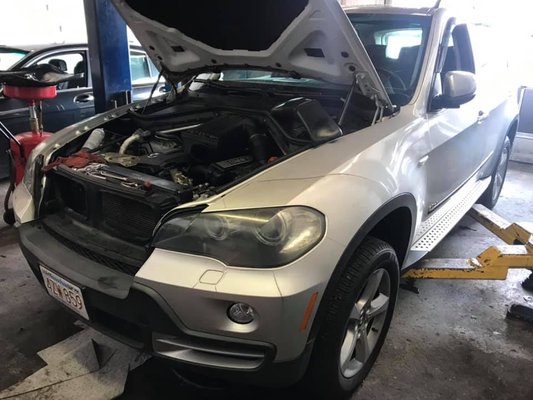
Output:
x=9 y=56
x=74 y=101
x=523 y=149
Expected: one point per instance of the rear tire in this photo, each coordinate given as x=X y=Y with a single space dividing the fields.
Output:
x=490 y=198
x=356 y=323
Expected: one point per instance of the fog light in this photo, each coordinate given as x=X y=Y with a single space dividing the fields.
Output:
x=241 y=313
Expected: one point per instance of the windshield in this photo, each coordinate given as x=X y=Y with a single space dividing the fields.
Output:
x=396 y=45
x=9 y=57
x=280 y=78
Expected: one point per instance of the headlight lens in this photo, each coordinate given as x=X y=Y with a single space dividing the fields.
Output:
x=262 y=238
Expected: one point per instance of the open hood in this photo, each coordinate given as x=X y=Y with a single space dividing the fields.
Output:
x=312 y=38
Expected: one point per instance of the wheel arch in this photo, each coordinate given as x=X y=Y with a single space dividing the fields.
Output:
x=388 y=223
x=513 y=130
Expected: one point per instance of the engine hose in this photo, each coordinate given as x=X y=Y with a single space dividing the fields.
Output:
x=129 y=141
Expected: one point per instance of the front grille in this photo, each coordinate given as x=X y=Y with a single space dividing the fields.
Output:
x=128 y=218
x=116 y=211
x=73 y=194
x=96 y=257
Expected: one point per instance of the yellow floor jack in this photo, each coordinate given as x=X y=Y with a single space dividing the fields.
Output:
x=493 y=264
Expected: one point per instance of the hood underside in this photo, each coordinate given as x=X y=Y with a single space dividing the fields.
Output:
x=312 y=38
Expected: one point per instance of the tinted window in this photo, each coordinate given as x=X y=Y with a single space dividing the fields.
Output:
x=72 y=63
x=396 y=45
x=459 y=52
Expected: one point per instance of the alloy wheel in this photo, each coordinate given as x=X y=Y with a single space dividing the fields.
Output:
x=365 y=323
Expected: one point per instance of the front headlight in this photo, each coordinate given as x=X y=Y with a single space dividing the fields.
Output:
x=261 y=238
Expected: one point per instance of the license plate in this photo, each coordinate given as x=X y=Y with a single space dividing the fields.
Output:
x=65 y=292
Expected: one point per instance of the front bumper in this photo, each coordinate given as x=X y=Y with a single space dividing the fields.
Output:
x=179 y=313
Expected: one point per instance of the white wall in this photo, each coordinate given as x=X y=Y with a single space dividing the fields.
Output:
x=26 y=22
x=41 y=22
x=63 y=21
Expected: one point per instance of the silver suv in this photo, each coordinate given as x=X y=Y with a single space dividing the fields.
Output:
x=254 y=224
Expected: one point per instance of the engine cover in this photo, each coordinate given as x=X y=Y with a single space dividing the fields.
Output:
x=219 y=139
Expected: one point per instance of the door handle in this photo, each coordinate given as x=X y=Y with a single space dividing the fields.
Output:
x=423 y=161
x=84 y=98
x=482 y=116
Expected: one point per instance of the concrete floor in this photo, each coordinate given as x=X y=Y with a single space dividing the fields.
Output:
x=451 y=341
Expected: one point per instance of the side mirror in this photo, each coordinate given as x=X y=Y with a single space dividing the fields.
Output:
x=458 y=88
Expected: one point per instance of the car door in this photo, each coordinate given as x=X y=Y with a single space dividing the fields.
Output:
x=144 y=75
x=456 y=135
x=74 y=101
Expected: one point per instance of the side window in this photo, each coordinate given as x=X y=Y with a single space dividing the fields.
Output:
x=72 y=63
x=455 y=54
x=140 y=69
x=459 y=52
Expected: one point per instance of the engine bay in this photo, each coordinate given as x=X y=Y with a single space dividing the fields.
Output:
x=192 y=160
x=120 y=178
x=198 y=151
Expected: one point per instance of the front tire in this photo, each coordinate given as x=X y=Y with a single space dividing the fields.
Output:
x=492 y=194
x=356 y=323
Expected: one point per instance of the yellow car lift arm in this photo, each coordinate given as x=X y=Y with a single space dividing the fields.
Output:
x=494 y=263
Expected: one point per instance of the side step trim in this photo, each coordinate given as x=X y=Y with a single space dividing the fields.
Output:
x=436 y=227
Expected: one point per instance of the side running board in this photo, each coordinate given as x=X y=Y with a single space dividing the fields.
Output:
x=442 y=221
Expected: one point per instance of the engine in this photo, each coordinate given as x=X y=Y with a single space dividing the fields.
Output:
x=196 y=159
x=131 y=180
x=121 y=178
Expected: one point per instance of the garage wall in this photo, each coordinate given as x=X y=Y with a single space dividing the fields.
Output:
x=63 y=21
x=26 y=22
x=42 y=21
